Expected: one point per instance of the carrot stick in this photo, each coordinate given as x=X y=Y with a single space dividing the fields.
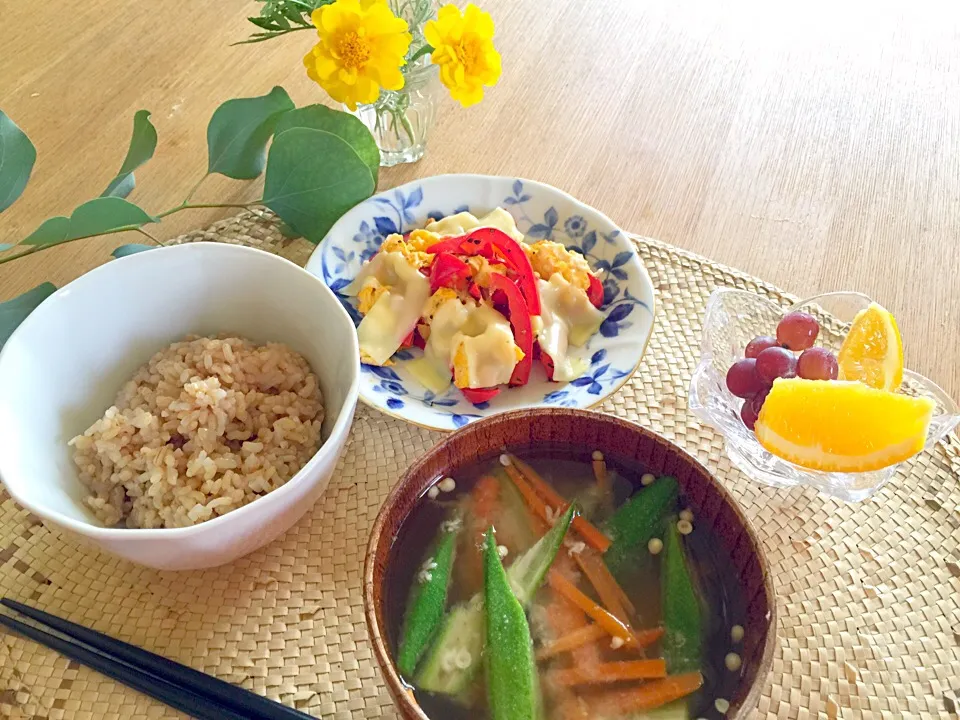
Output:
x=647 y=696
x=481 y=508
x=604 y=619
x=533 y=500
x=611 y=672
x=590 y=634
x=611 y=594
x=590 y=534
x=572 y=640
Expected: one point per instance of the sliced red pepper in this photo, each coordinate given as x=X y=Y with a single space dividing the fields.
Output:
x=518 y=314
x=408 y=340
x=595 y=291
x=547 y=362
x=490 y=242
x=479 y=395
x=474 y=291
x=418 y=340
x=464 y=245
x=449 y=271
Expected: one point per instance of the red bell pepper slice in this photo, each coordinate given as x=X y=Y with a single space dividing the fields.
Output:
x=480 y=395
x=547 y=362
x=408 y=340
x=519 y=316
x=474 y=291
x=418 y=340
x=449 y=271
x=595 y=291
x=490 y=243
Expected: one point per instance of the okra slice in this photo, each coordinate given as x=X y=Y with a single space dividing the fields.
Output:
x=638 y=520
x=513 y=690
x=681 y=606
x=428 y=598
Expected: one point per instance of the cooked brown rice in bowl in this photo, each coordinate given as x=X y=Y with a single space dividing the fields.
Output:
x=206 y=426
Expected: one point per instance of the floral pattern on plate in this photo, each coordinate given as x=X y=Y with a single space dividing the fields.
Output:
x=541 y=212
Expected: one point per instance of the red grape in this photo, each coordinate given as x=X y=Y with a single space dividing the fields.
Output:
x=798 y=330
x=775 y=362
x=748 y=414
x=742 y=379
x=759 y=344
x=817 y=363
x=757 y=400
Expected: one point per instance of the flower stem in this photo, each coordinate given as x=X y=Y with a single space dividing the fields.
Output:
x=424 y=50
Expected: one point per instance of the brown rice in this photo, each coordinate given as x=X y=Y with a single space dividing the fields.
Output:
x=206 y=426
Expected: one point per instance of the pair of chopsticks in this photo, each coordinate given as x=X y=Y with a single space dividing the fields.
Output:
x=195 y=693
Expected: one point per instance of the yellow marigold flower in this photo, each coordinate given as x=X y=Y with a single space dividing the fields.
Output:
x=463 y=48
x=361 y=49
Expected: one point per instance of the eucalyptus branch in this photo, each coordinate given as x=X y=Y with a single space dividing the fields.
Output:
x=151 y=237
x=198 y=206
x=38 y=248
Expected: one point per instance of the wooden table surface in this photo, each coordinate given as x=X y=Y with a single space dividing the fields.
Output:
x=814 y=144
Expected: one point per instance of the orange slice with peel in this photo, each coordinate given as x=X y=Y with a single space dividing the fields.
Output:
x=841 y=426
x=872 y=352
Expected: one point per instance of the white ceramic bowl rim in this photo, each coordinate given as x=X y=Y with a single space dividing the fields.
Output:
x=98 y=532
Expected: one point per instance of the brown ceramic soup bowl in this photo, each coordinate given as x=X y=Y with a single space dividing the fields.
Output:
x=585 y=431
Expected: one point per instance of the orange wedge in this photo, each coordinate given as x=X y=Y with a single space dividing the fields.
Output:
x=841 y=426
x=872 y=352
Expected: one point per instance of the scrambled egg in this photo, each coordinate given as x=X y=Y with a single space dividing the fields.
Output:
x=436 y=300
x=414 y=249
x=369 y=294
x=481 y=268
x=548 y=258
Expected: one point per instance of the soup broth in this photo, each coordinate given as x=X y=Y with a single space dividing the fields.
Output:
x=613 y=561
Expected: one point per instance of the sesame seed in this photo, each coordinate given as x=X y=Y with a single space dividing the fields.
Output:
x=721 y=705
x=684 y=527
x=448 y=485
x=686 y=515
x=597 y=455
x=433 y=492
x=502 y=551
x=736 y=633
x=505 y=460
x=647 y=479
x=655 y=546
x=616 y=643
x=732 y=661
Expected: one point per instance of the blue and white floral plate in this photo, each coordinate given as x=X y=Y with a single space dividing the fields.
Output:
x=541 y=212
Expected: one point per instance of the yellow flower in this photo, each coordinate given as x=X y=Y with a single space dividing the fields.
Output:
x=361 y=49
x=463 y=48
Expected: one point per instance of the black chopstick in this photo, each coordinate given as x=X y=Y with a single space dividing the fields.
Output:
x=176 y=697
x=177 y=685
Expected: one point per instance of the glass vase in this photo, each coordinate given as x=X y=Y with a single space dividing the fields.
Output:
x=401 y=120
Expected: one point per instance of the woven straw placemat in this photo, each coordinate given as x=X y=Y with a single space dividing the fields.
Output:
x=867 y=594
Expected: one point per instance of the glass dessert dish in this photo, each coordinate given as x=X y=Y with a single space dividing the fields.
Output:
x=733 y=318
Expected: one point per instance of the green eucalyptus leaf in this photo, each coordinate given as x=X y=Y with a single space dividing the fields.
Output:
x=239 y=130
x=143 y=144
x=131 y=249
x=94 y=217
x=17 y=155
x=13 y=312
x=344 y=125
x=314 y=177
